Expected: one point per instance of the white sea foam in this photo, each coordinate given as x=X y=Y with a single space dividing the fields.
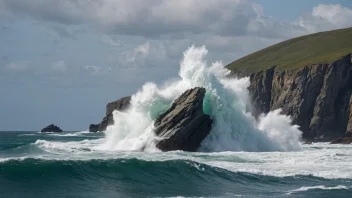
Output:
x=319 y=160
x=28 y=134
x=72 y=134
x=226 y=101
x=66 y=147
x=322 y=187
x=64 y=135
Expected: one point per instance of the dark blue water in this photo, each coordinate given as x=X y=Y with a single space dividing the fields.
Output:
x=55 y=166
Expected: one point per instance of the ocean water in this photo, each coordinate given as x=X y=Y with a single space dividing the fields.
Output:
x=68 y=165
x=242 y=155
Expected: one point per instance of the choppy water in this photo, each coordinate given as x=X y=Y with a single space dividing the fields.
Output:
x=68 y=165
x=241 y=156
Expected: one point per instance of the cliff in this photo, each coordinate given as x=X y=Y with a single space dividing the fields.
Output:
x=309 y=77
x=317 y=96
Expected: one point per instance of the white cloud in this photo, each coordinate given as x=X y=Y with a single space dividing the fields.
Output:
x=143 y=49
x=326 y=17
x=18 y=66
x=60 y=66
x=145 y=55
x=92 y=69
x=333 y=13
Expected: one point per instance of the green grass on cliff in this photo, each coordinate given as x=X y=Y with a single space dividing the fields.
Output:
x=323 y=47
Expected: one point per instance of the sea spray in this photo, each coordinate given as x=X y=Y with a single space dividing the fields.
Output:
x=227 y=101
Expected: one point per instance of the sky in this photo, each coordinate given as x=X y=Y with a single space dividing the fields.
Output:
x=62 y=61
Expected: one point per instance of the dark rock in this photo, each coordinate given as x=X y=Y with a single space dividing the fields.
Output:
x=331 y=103
x=296 y=92
x=342 y=140
x=317 y=97
x=261 y=84
x=308 y=143
x=349 y=123
x=94 y=128
x=119 y=105
x=184 y=125
x=51 y=128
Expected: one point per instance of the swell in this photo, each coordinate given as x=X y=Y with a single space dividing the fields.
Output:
x=115 y=168
x=127 y=170
x=135 y=177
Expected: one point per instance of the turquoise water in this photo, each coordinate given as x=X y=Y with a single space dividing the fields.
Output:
x=71 y=165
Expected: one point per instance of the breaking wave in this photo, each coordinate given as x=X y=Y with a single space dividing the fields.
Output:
x=227 y=101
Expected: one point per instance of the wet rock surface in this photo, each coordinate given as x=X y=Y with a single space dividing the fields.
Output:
x=184 y=125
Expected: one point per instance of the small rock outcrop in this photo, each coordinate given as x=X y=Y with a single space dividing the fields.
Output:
x=94 y=128
x=119 y=105
x=52 y=128
x=184 y=125
x=342 y=140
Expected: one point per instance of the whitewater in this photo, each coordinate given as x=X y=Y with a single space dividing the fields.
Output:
x=242 y=156
x=227 y=101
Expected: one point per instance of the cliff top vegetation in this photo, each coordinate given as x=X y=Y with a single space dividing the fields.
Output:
x=322 y=47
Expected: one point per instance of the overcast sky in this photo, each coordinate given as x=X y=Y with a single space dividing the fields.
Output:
x=61 y=61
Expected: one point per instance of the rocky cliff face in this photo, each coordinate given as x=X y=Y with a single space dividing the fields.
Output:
x=318 y=97
x=120 y=105
x=184 y=125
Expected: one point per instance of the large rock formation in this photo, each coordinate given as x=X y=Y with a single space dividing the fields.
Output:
x=119 y=105
x=184 y=125
x=51 y=128
x=318 y=97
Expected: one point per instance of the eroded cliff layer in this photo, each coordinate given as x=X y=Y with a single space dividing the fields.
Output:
x=318 y=97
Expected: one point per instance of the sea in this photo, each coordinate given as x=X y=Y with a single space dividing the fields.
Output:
x=243 y=155
x=33 y=164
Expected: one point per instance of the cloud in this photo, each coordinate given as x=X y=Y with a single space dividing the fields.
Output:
x=60 y=66
x=63 y=32
x=153 y=18
x=111 y=41
x=19 y=66
x=326 y=17
x=148 y=54
x=93 y=70
x=143 y=49
x=160 y=18
x=156 y=32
